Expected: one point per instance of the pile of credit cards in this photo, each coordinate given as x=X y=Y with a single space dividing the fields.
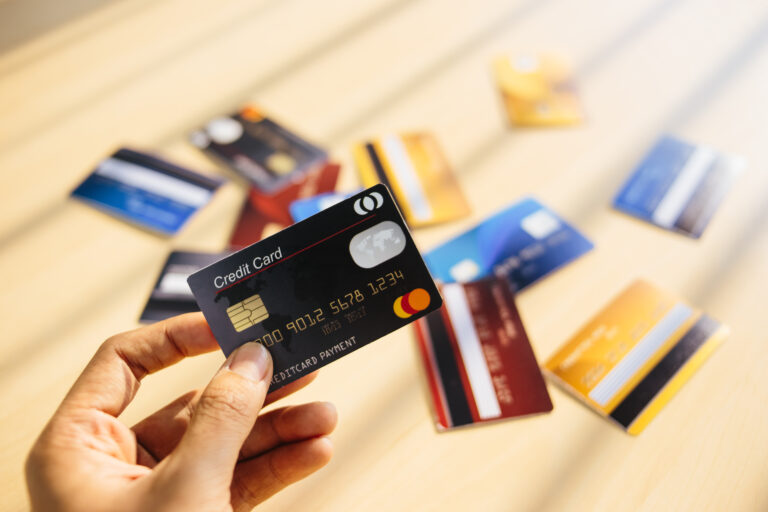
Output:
x=342 y=270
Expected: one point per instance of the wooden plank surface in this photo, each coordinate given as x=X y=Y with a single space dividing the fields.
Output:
x=78 y=81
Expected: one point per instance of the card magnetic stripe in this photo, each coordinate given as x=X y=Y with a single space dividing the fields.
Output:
x=167 y=168
x=459 y=412
x=378 y=167
x=707 y=196
x=160 y=309
x=651 y=385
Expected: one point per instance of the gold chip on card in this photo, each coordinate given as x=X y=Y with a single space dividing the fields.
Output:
x=247 y=313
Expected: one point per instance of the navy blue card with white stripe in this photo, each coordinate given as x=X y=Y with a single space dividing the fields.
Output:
x=146 y=190
x=679 y=185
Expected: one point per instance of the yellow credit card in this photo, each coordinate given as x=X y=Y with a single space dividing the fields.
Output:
x=413 y=166
x=635 y=354
x=538 y=90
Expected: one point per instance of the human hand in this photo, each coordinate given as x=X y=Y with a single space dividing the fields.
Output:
x=208 y=450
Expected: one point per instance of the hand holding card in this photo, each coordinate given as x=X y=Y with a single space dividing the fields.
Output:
x=321 y=288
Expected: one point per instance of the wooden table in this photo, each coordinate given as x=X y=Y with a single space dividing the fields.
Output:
x=80 y=78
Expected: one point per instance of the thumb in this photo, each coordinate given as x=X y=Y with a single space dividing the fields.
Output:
x=226 y=411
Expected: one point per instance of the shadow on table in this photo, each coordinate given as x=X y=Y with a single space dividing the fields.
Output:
x=25 y=20
x=723 y=73
x=591 y=64
x=429 y=73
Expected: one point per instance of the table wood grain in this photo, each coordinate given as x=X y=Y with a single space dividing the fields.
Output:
x=79 y=79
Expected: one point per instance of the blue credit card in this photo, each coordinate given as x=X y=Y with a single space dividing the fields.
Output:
x=678 y=185
x=146 y=190
x=524 y=242
x=304 y=208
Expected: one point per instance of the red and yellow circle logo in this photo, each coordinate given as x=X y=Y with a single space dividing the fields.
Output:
x=411 y=303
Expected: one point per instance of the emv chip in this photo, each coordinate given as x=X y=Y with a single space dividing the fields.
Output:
x=247 y=313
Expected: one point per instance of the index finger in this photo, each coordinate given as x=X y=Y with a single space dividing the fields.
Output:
x=111 y=379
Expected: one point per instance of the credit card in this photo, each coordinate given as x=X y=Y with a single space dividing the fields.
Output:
x=523 y=243
x=321 y=288
x=413 y=166
x=146 y=190
x=266 y=153
x=479 y=363
x=250 y=226
x=171 y=295
x=538 y=90
x=259 y=209
x=304 y=208
x=679 y=185
x=278 y=206
x=632 y=358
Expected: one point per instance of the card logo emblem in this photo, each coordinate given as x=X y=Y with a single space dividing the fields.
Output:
x=366 y=204
x=247 y=313
x=411 y=303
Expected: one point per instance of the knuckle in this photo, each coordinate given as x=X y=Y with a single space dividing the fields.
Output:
x=278 y=476
x=110 y=343
x=223 y=402
x=245 y=493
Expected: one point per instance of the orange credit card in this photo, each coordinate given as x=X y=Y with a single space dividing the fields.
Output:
x=635 y=354
x=538 y=90
x=413 y=166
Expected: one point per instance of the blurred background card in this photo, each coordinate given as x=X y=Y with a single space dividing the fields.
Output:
x=249 y=227
x=171 y=295
x=269 y=155
x=679 y=185
x=523 y=242
x=479 y=363
x=414 y=168
x=307 y=207
x=278 y=206
x=146 y=190
x=261 y=209
x=635 y=354
x=537 y=90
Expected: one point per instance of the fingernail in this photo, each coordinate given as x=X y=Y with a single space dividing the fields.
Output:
x=250 y=361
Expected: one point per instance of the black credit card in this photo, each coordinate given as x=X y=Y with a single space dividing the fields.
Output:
x=171 y=295
x=321 y=288
x=269 y=155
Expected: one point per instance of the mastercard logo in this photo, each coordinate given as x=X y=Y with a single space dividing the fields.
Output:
x=411 y=303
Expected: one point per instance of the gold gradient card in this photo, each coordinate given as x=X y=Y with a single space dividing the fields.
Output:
x=538 y=90
x=635 y=354
x=414 y=167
